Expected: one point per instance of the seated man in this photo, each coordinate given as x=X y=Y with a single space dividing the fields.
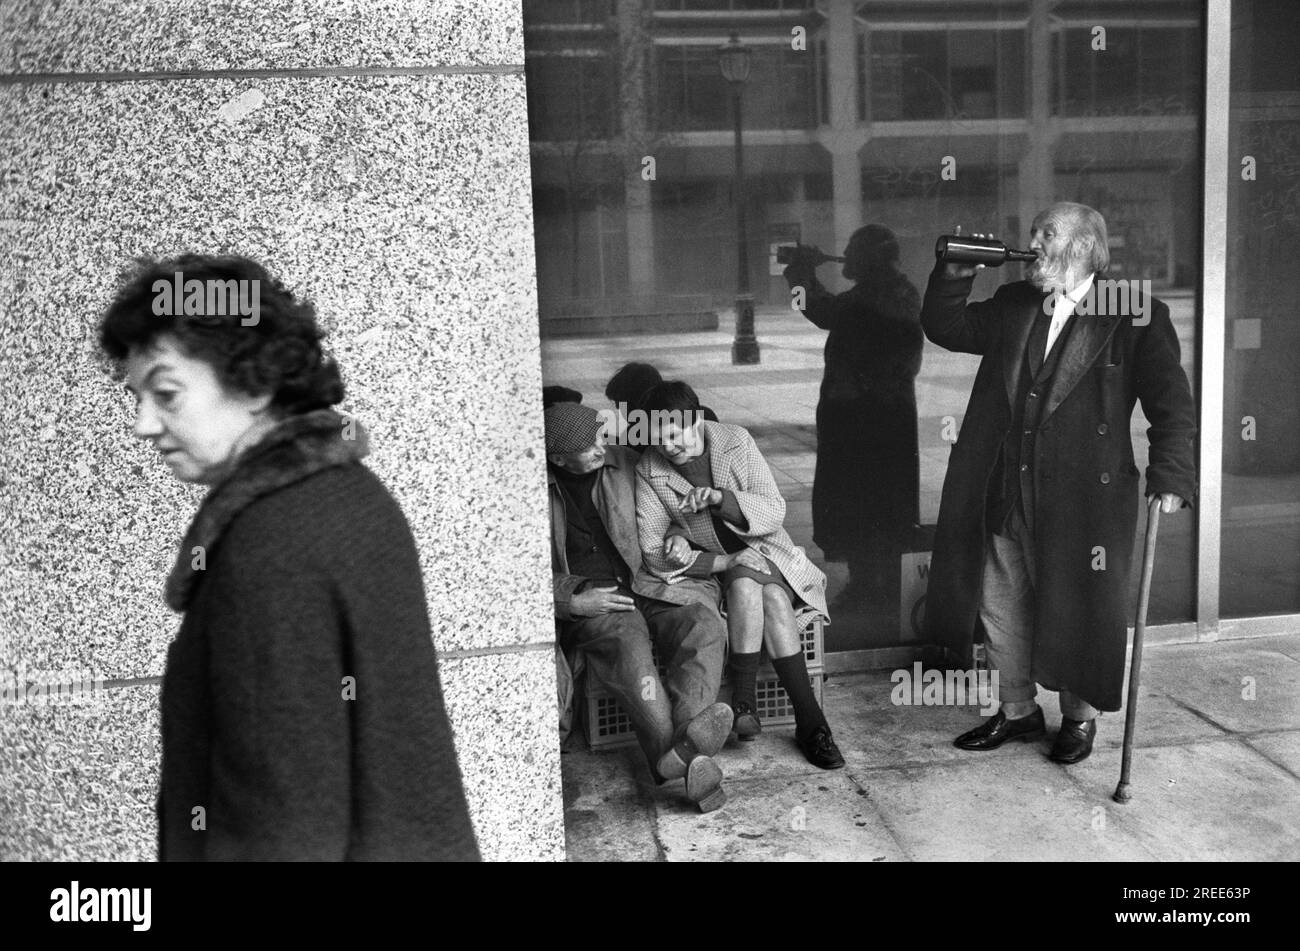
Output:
x=609 y=607
x=706 y=504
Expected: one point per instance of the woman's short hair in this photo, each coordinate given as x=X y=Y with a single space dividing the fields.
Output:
x=671 y=395
x=278 y=353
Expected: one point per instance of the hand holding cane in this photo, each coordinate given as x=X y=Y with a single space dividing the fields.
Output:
x=1122 y=793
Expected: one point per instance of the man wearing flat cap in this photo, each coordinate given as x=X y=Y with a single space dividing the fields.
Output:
x=611 y=609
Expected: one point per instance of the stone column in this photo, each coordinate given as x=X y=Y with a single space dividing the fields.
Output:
x=376 y=159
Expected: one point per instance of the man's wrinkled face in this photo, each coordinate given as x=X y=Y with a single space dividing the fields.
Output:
x=580 y=463
x=1050 y=237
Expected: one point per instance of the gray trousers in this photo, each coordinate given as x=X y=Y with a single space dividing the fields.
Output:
x=1007 y=610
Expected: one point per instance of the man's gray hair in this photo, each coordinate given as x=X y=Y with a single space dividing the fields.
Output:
x=1087 y=228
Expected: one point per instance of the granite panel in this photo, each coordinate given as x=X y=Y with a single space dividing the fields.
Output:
x=400 y=206
x=80 y=777
x=87 y=36
x=503 y=710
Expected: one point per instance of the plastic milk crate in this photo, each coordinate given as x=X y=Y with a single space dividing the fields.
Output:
x=608 y=725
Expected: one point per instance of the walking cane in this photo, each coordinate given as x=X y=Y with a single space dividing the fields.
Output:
x=1122 y=794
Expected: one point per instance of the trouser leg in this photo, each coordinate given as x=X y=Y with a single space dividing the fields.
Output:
x=691 y=640
x=1076 y=708
x=617 y=649
x=1007 y=610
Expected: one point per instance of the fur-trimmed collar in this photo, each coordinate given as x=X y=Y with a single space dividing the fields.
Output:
x=294 y=449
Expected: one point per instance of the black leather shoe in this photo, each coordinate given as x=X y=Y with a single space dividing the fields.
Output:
x=820 y=749
x=1074 y=742
x=747 y=725
x=997 y=729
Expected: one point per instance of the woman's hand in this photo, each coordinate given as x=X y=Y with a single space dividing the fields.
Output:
x=747 y=558
x=677 y=551
x=699 y=499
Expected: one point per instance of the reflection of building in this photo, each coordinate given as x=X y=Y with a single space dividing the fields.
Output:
x=1094 y=101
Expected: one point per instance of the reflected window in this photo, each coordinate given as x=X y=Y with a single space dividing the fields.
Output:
x=947 y=74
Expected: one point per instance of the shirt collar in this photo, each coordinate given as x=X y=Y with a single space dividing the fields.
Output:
x=1080 y=290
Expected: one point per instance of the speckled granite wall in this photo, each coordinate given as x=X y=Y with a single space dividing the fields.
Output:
x=374 y=155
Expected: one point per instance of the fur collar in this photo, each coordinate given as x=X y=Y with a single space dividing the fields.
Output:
x=296 y=448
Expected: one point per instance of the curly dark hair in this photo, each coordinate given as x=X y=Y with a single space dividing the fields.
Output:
x=280 y=353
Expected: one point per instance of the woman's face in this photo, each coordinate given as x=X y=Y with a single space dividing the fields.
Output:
x=182 y=408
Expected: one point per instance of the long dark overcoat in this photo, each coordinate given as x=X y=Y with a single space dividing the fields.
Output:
x=1084 y=480
x=865 y=486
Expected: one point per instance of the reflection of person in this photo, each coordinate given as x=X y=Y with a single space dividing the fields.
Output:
x=609 y=609
x=865 y=487
x=707 y=485
x=1036 y=526
x=302 y=716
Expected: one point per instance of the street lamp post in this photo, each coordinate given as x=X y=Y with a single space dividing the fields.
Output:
x=734 y=58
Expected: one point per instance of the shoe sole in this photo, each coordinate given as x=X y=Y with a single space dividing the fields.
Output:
x=747 y=727
x=705 y=735
x=1023 y=737
x=704 y=784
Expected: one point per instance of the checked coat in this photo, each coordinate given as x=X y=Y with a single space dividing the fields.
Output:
x=736 y=464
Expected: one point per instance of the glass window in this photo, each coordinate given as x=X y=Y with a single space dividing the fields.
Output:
x=660 y=285
x=934 y=74
x=1141 y=71
x=694 y=96
x=1260 y=564
x=581 y=99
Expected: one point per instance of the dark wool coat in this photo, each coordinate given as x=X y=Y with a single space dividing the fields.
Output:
x=866 y=482
x=311 y=577
x=1084 y=480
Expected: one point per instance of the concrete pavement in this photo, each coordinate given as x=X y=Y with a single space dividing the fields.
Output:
x=1216 y=775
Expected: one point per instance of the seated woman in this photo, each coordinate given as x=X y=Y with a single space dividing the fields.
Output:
x=302 y=717
x=708 y=485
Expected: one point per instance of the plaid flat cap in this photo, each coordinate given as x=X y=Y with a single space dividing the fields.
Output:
x=571 y=427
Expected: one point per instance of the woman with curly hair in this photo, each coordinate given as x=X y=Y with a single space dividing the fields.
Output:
x=302 y=715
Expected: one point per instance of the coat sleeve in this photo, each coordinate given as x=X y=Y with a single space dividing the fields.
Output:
x=281 y=784
x=820 y=305
x=952 y=323
x=1166 y=398
x=563 y=588
x=756 y=493
x=653 y=522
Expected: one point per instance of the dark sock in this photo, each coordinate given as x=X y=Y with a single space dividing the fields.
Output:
x=793 y=672
x=742 y=670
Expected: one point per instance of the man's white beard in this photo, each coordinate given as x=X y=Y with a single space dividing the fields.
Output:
x=1051 y=274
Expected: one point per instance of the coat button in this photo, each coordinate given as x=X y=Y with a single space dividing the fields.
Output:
x=1105 y=478
x=1033 y=394
x=1024 y=467
x=1102 y=429
x=764 y=549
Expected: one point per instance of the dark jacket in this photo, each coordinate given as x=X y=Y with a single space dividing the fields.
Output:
x=615 y=499
x=1082 y=481
x=302 y=715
